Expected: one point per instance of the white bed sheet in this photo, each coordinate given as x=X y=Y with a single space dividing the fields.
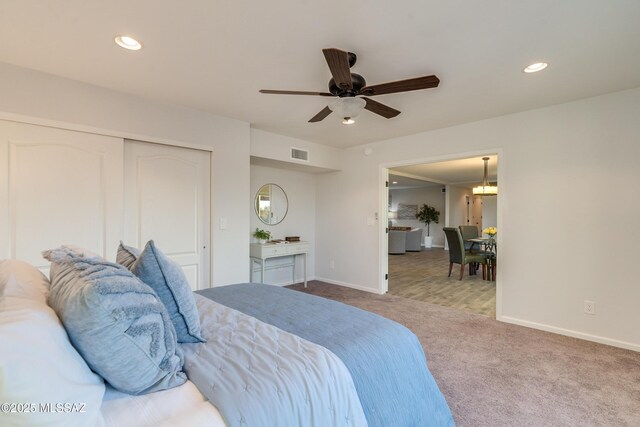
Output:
x=176 y=407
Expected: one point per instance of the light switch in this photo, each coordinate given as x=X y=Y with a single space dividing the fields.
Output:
x=223 y=223
x=371 y=221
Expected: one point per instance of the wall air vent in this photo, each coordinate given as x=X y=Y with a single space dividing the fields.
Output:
x=299 y=154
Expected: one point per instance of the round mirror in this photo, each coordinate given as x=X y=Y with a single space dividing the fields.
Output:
x=271 y=204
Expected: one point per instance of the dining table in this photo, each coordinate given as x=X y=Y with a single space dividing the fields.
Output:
x=491 y=252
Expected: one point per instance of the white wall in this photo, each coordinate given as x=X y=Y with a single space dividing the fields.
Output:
x=564 y=171
x=300 y=188
x=457 y=213
x=46 y=99
x=456 y=207
x=432 y=196
x=272 y=146
x=489 y=212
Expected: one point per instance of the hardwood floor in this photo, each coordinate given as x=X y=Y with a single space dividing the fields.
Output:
x=422 y=276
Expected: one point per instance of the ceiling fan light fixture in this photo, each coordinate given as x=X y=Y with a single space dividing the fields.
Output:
x=485 y=189
x=535 y=67
x=352 y=91
x=348 y=121
x=128 y=42
x=347 y=107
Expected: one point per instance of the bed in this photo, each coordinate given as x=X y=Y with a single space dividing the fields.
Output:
x=261 y=355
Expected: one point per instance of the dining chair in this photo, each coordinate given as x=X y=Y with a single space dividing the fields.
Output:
x=458 y=255
x=469 y=232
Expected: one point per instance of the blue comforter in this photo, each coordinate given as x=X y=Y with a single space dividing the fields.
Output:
x=385 y=359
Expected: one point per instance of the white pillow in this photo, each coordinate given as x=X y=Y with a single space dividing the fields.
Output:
x=38 y=364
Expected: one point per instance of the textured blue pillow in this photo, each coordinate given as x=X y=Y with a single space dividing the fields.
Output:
x=116 y=322
x=127 y=255
x=167 y=279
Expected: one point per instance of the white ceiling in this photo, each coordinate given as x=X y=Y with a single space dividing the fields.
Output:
x=464 y=172
x=215 y=55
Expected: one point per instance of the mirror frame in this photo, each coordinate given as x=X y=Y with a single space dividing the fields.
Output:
x=255 y=203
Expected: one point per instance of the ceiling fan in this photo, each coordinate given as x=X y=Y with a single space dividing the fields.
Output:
x=352 y=91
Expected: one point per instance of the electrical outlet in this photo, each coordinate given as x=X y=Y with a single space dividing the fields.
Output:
x=332 y=265
x=590 y=307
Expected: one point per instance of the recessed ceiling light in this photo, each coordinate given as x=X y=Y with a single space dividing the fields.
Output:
x=128 y=42
x=348 y=121
x=394 y=182
x=534 y=68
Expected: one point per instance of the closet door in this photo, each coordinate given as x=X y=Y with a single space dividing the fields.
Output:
x=58 y=187
x=167 y=199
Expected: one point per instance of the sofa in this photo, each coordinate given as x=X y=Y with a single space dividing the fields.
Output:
x=414 y=240
x=401 y=241
x=397 y=242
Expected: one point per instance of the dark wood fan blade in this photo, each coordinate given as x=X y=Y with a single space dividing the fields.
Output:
x=380 y=109
x=321 y=115
x=407 y=85
x=338 y=61
x=294 y=92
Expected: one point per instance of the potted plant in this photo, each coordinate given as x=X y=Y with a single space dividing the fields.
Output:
x=262 y=235
x=428 y=214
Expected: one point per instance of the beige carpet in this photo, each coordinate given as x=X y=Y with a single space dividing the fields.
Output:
x=496 y=374
x=423 y=276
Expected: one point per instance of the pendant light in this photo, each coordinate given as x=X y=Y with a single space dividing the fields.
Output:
x=485 y=189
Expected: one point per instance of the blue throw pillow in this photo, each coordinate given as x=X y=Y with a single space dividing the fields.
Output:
x=127 y=255
x=116 y=322
x=167 y=279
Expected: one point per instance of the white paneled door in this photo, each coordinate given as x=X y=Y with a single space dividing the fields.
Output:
x=58 y=187
x=167 y=199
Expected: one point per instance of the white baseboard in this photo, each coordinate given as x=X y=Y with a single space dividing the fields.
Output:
x=348 y=285
x=290 y=282
x=506 y=319
x=571 y=333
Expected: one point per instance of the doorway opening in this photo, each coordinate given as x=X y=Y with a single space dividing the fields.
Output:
x=418 y=254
